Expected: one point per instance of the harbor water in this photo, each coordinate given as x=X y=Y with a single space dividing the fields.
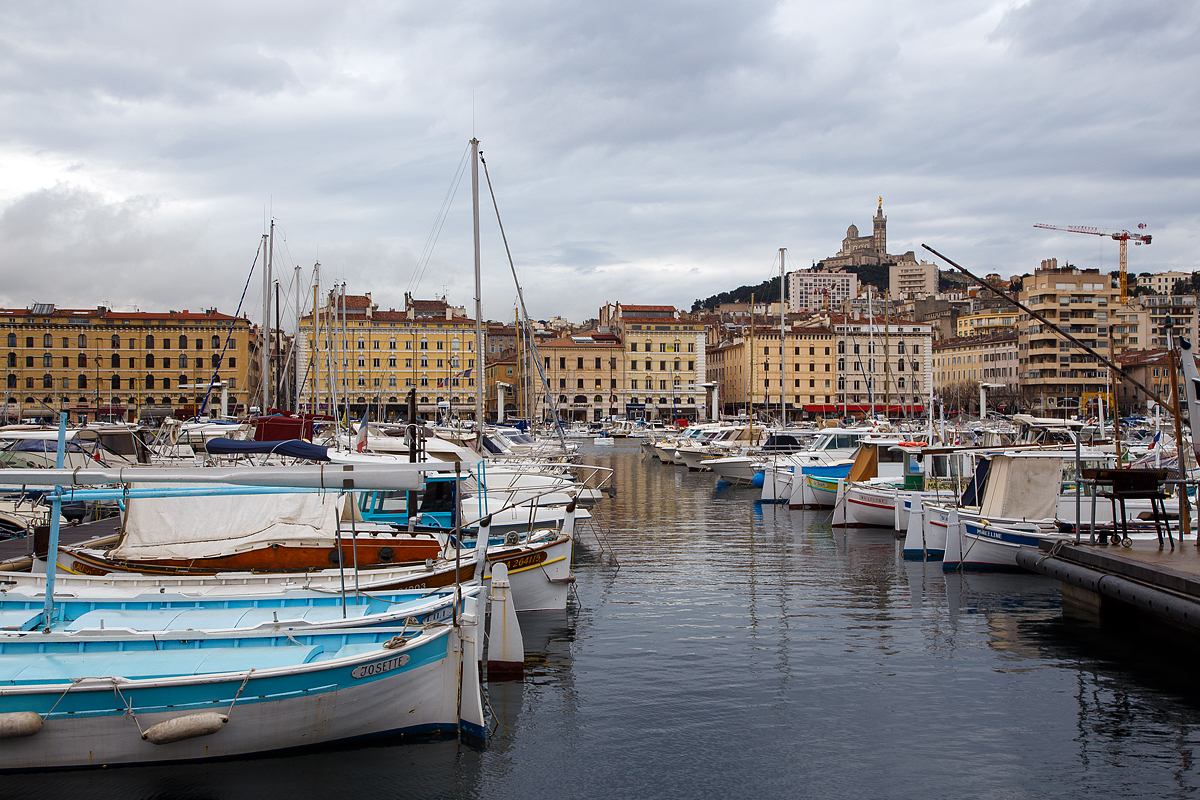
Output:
x=722 y=648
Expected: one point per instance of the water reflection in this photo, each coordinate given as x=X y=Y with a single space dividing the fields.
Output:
x=719 y=645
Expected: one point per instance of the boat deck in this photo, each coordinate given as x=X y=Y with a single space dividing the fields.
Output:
x=67 y=535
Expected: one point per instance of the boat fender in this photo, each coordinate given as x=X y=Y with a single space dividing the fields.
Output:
x=186 y=727
x=758 y=480
x=18 y=724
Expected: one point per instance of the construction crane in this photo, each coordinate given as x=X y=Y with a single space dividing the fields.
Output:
x=1122 y=236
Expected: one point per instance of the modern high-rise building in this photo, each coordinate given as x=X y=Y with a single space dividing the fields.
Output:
x=1057 y=378
x=817 y=289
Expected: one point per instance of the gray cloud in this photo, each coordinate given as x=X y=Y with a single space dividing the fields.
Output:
x=654 y=151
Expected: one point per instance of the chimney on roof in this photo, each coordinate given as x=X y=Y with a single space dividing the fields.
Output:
x=449 y=313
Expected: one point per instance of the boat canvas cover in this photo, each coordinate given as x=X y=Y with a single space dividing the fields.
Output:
x=222 y=525
x=292 y=448
x=1022 y=488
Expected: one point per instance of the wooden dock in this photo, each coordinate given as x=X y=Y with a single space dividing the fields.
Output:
x=1144 y=581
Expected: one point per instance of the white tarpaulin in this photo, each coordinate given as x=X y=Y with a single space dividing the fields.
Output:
x=208 y=527
x=1022 y=488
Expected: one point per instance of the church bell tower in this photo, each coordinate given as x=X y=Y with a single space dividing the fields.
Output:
x=880 y=231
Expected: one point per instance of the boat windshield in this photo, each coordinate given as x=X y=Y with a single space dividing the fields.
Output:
x=43 y=446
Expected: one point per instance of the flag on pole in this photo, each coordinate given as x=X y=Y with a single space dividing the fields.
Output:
x=360 y=441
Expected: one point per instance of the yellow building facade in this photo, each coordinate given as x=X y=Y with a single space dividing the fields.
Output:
x=362 y=357
x=754 y=373
x=98 y=364
x=987 y=323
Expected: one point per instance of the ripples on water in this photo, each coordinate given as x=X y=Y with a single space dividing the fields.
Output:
x=747 y=650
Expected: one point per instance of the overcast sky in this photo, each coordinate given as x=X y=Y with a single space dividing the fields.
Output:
x=647 y=152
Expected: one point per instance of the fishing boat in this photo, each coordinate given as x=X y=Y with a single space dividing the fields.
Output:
x=198 y=695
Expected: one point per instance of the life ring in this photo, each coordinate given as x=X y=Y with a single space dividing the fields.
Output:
x=911 y=444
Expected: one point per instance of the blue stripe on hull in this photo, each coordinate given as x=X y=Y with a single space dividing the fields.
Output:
x=919 y=555
x=977 y=567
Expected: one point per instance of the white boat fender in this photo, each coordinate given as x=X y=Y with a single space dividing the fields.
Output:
x=506 y=648
x=18 y=724
x=188 y=726
x=568 y=526
x=839 y=506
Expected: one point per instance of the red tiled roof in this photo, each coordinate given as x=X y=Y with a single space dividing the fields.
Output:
x=94 y=313
x=625 y=308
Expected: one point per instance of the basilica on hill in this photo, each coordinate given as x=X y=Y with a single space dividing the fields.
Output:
x=858 y=250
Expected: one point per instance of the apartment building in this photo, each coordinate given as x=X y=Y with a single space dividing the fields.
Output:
x=756 y=374
x=664 y=361
x=585 y=371
x=815 y=289
x=1163 y=282
x=962 y=363
x=882 y=364
x=987 y=323
x=362 y=356
x=1150 y=367
x=912 y=279
x=1056 y=377
x=99 y=364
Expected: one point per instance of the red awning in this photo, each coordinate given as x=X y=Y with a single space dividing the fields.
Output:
x=864 y=409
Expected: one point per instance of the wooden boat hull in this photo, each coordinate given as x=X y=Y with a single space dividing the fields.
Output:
x=365 y=552
x=85 y=563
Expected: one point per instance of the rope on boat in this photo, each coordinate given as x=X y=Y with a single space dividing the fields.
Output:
x=74 y=683
x=1053 y=551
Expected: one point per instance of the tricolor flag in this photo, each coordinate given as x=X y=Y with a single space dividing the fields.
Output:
x=360 y=441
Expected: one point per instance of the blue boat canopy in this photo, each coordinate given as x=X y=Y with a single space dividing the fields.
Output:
x=293 y=448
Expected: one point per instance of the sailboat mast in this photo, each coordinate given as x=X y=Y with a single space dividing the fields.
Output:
x=478 y=299
x=262 y=349
x=316 y=368
x=782 y=344
x=871 y=351
x=751 y=387
x=887 y=339
x=296 y=345
x=269 y=276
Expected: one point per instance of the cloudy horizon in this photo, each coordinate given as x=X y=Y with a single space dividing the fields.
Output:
x=642 y=152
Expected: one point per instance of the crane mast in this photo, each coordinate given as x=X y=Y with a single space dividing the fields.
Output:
x=1124 y=237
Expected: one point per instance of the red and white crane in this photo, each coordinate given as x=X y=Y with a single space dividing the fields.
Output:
x=1122 y=236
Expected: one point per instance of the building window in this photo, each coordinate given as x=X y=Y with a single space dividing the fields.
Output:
x=12 y=359
x=47 y=341
x=115 y=361
x=12 y=340
x=47 y=360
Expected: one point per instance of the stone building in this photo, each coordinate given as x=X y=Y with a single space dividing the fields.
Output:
x=882 y=364
x=378 y=356
x=962 y=363
x=664 y=362
x=752 y=373
x=99 y=364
